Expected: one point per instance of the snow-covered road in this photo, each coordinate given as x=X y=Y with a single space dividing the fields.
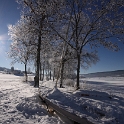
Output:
x=19 y=104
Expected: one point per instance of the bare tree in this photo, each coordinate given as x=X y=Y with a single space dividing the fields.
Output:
x=19 y=51
x=93 y=23
x=77 y=25
x=37 y=11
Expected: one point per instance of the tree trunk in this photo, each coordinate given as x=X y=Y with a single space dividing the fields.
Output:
x=50 y=74
x=43 y=73
x=26 y=76
x=78 y=72
x=54 y=74
x=38 y=62
x=62 y=70
x=40 y=72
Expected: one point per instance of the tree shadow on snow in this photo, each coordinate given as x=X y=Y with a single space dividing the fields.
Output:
x=30 y=108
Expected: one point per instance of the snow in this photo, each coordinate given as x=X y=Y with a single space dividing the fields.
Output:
x=19 y=103
x=101 y=100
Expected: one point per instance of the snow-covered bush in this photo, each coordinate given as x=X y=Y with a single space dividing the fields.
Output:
x=69 y=82
x=83 y=84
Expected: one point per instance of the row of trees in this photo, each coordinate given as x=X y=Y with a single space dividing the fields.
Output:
x=62 y=36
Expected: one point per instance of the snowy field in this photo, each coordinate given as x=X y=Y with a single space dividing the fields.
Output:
x=111 y=85
x=19 y=104
x=101 y=100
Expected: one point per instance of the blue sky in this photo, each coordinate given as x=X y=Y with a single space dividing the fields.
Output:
x=9 y=14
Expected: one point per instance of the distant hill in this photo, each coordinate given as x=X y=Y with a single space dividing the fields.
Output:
x=117 y=73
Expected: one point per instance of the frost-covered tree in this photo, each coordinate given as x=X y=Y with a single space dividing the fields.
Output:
x=72 y=29
x=37 y=12
x=20 y=51
x=36 y=18
x=68 y=62
x=20 y=54
x=93 y=23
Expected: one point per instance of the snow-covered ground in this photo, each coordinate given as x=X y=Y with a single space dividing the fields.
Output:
x=111 y=85
x=19 y=104
x=101 y=100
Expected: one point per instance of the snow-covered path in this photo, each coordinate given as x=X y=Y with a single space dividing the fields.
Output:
x=19 y=105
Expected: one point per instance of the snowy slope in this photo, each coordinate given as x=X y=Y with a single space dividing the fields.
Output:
x=19 y=104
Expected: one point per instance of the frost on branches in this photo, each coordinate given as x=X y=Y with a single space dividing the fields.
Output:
x=67 y=33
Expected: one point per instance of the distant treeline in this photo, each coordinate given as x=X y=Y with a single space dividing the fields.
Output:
x=117 y=73
x=3 y=68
